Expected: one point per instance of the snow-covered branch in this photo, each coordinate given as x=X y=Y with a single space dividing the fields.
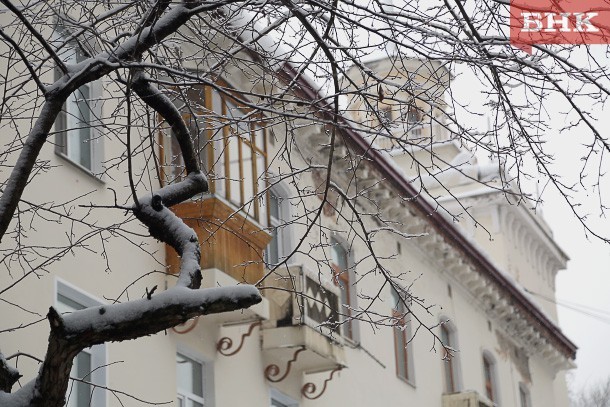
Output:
x=118 y=322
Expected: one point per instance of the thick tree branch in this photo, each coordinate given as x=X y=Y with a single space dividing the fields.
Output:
x=8 y=375
x=87 y=71
x=74 y=332
x=27 y=158
x=164 y=225
x=164 y=106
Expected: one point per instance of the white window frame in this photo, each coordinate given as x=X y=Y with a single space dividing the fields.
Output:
x=207 y=375
x=98 y=353
x=67 y=123
x=278 y=225
x=278 y=396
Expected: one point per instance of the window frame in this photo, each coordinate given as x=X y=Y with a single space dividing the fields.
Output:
x=67 y=120
x=525 y=399
x=219 y=134
x=278 y=228
x=278 y=396
x=451 y=367
x=98 y=353
x=343 y=278
x=187 y=395
x=490 y=377
x=403 y=339
x=207 y=374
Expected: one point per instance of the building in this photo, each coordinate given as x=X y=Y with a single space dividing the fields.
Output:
x=360 y=312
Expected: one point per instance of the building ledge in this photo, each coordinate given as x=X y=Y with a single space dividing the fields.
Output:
x=319 y=352
x=466 y=398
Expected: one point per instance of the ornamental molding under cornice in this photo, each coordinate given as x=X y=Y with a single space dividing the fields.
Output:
x=499 y=296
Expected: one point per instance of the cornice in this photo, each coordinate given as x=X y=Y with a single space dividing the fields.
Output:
x=507 y=303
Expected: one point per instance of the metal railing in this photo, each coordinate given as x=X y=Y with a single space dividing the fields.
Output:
x=314 y=301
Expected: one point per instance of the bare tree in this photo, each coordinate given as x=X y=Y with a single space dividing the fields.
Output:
x=162 y=63
x=595 y=396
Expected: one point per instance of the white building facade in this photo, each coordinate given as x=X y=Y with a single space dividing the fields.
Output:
x=313 y=340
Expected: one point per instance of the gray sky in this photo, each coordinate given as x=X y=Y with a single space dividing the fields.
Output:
x=585 y=282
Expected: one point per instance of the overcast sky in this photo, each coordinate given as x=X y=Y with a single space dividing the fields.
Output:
x=586 y=282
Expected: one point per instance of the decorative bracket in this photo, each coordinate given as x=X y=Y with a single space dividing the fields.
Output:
x=186 y=327
x=225 y=343
x=309 y=389
x=273 y=370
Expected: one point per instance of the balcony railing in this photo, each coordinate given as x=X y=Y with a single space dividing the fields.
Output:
x=303 y=330
x=314 y=301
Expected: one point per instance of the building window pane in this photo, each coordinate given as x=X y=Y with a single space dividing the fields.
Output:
x=231 y=147
x=88 y=365
x=524 y=395
x=275 y=218
x=81 y=369
x=489 y=377
x=448 y=362
x=74 y=132
x=189 y=378
x=281 y=400
x=402 y=343
x=341 y=277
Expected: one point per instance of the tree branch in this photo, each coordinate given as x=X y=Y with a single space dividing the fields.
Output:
x=162 y=105
x=74 y=332
x=8 y=375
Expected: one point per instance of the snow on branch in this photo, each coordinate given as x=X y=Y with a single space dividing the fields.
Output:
x=164 y=106
x=81 y=329
x=8 y=375
x=87 y=71
x=165 y=226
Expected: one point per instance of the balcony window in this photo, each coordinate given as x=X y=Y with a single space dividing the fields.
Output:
x=231 y=144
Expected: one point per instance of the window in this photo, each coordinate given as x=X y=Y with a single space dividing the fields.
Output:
x=281 y=400
x=341 y=277
x=189 y=382
x=75 y=137
x=89 y=366
x=414 y=120
x=231 y=143
x=280 y=239
x=524 y=395
x=385 y=114
x=489 y=376
x=448 y=336
x=403 y=348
